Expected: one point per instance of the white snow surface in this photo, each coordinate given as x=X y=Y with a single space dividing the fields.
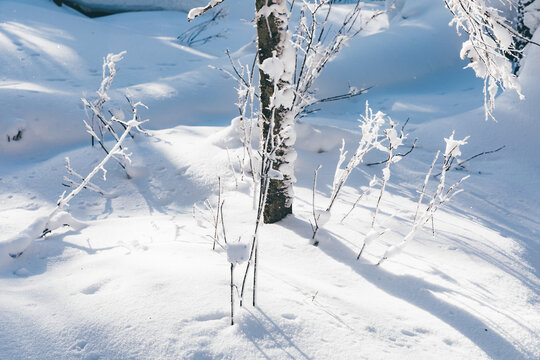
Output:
x=139 y=279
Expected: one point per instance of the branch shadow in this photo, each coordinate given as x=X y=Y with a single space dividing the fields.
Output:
x=34 y=259
x=421 y=294
x=259 y=325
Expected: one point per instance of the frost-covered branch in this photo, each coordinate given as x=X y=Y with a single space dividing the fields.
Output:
x=59 y=217
x=267 y=154
x=490 y=43
x=192 y=35
x=99 y=124
x=372 y=131
x=394 y=141
x=441 y=195
x=198 y=11
x=212 y=215
x=365 y=192
x=316 y=44
x=70 y=182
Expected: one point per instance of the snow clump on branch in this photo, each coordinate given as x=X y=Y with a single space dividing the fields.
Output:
x=490 y=41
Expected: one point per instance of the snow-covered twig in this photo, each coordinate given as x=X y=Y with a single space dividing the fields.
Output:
x=371 y=126
x=316 y=45
x=372 y=184
x=232 y=168
x=212 y=215
x=74 y=183
x=245 y=122
x=98 y=124
x=267 y=173
x=318 y=217
x=394 y=142
x=191 y=36
x=198 y=11
x=59 y=217
x=413 y=146
x=489 y=45
x=441 y=195
x=461 y=163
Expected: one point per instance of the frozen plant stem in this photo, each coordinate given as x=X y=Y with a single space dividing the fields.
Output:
x=394 y=142
x=132 y=124
x=439 y=198
x=255 y=274
x=218 y=207
x=232 y=168
x=371 y=126
x=73 y=183
x=49 y=223
x=364 y=193
x=267 y=156
x=232 y=293
x=315 y=227
x=223 y=222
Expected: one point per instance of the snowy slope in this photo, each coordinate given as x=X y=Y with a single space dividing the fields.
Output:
x=46 y=58
x=141 y=281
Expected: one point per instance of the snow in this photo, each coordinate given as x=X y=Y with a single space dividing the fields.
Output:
x=273 y=67
x=14 y=246
x=134 y=276
x=323 y=216
x=453 y=146
x=237 y=253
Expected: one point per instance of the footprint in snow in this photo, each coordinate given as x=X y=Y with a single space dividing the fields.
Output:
x=408 y=333
x=211 y=316
x=289 y=316
x=371 y=329
x=421 y=331
x=79 y=345
x=94 y=288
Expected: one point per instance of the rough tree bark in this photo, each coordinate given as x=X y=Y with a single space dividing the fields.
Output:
x=273 y=41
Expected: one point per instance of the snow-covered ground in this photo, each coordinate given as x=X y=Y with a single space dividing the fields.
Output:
x=142 y=282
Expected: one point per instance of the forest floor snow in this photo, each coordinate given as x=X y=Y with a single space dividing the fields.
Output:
x=142 y=281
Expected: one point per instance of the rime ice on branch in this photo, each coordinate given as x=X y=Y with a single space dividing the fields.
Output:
x=441 y=195
x=490 y=42
x=58 y=217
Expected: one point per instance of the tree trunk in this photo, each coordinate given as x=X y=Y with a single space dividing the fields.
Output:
x=522 y=29
x=273 y=41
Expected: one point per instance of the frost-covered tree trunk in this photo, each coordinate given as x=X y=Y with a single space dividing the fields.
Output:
x=276 y=57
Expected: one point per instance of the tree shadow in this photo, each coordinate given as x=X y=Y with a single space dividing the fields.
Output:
x=423 y=295
x=522 y=232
